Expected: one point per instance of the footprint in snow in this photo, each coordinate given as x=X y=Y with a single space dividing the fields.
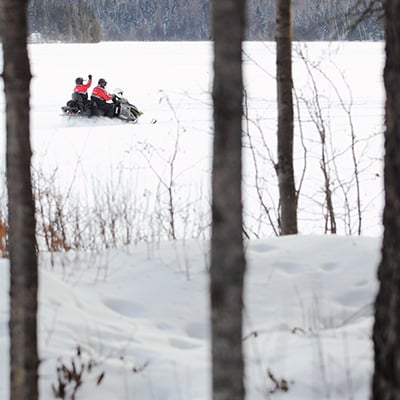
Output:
x=183 y=344
x=125 y=308
x=288 y=267
x=197 y=330
x=329 y=266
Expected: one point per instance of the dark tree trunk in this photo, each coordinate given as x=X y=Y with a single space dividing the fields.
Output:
x=227 y=255
x=287 y=191
x=386 y=332
x=23 y=259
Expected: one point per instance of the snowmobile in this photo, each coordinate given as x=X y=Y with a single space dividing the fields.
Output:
x=124 y=110
x=127 y=111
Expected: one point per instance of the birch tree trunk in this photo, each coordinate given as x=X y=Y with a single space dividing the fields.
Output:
x=386 y=332
x=287 y=190
x=22 y=246
x=227 y=255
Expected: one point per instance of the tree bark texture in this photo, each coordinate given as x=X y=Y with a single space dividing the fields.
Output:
x=227 y=254
x=22 y=245
x=386 y=331
x=287 y=190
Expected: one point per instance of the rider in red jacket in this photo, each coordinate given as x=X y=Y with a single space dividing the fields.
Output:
x=80 y=87
x=100 y=96
x=80 y=95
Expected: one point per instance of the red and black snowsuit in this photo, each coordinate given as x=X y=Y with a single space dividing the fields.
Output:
x=83 y=88
x=81 y=97
x=100 y=96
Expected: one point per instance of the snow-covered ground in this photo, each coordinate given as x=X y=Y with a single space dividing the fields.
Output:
x=139 y=314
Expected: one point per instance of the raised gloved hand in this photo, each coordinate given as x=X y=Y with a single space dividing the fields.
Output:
x=90 y=77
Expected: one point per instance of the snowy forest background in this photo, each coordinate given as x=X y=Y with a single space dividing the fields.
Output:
x=109 y=20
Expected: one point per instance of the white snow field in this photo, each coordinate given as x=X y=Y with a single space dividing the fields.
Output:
x=139 y=313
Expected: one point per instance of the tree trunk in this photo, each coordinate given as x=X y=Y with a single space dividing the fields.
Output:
x=22 y=246
x=386 y=332
x=287 y=191
x=227 y=255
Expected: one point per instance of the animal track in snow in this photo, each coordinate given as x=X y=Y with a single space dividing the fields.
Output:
x=125 y=308
x=329 y=266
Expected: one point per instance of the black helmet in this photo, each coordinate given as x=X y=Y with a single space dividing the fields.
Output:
x=102 y=82
x=79 y=81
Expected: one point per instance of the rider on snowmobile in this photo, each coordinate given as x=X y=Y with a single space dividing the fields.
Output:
x=80 y=95
x=101 y=97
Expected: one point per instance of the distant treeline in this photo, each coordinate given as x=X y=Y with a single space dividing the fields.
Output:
x=95 y=20
x=69 y=21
